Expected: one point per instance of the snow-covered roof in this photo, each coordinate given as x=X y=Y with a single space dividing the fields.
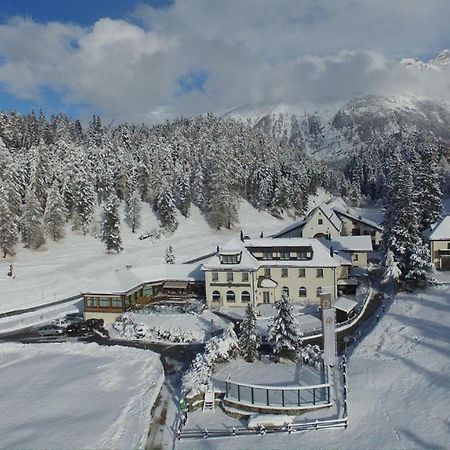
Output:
x=124 y=279
x=345 y=212
x=441 y=232
x=235 y=246
x=290 y=228
x=345 y=304
x=321 y=255
x=351 y=243
x=331 y=215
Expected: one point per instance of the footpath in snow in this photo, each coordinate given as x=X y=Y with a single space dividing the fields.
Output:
x=61 y=396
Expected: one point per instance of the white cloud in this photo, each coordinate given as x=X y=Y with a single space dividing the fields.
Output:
x=310 y=52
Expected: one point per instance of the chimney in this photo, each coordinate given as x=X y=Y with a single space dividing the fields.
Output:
x=218 y=249
x=331 y=251
x=261 y=235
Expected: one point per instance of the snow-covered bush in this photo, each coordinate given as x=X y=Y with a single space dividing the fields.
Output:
x=197 y=378
x=220 y=348
x=312 y=355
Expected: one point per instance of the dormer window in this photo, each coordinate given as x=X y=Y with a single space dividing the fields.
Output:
x=267 y=254
x=230 y=258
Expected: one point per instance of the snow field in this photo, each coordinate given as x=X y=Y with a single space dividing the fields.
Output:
x=67 y=267
x=398 y=385
x=60 y=396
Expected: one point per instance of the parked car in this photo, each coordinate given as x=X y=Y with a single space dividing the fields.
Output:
x=78 y=329
x=61 y=322
x=94 y=323
x=74 y=317
x=51 y=330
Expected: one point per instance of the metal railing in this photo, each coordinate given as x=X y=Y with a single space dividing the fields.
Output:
x=205 y=433
x=283 y=397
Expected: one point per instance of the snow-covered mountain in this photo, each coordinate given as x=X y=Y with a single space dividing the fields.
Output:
x=336 y=132
x=440 y=62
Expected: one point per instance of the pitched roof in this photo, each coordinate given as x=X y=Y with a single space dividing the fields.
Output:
x=441 y=231
x=122 y=279
x=341 y=211
x=234 y=246
x=352 y=243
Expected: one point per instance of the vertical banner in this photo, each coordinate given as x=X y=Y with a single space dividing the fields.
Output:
x=328 y=330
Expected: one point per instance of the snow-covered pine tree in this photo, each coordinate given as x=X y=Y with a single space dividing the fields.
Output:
x=182 y=190
x=249 y=340
x=284 y=332
x=55 y=213
x=419 y=262
x=8 y=229
x=392 y=271
x=84 y=203
x=133 y=209
x=170 y=257
x=197 y=378
x=427 y=181
x=164 y=206
x=41 y=172
x=110 y=226
x=31 y=226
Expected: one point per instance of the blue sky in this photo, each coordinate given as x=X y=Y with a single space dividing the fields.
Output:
x=82 y=12
x=150 y=60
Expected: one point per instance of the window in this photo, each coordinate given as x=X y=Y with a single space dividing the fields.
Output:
x=302 y=292
x=320 y=221
x=302 y=255
x=285 y=291
x=116 y=303
x=229 y=276
x=319 y=273
x=91 y=303
x=284 y=255
x=267 y=272
x=231 y=297
x=216 y=296
x=230 y=259
x=245 y=296
x=319 y=291
x=215 y=276
x=267 y=254
x=301 y=273
x=244 y=276
x=284 y=273
x=355 y=257
x=104 y=302
x=266 y=297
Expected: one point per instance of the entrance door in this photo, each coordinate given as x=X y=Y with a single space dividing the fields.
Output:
x=266 y=297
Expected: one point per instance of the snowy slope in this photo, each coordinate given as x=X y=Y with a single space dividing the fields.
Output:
x=67 y=267
x=398 y=384
x=58 y=396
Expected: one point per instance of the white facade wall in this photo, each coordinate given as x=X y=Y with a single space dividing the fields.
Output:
x=435 y=246
x=293 y=282
x=313 y=227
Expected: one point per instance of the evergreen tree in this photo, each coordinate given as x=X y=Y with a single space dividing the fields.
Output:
x=284 y=331
x=31 y=226
x=170 y=257
x=8 y=229
x=392 y=271
x=110 y=225
x=249 y=340
x=428 y=180
x=84 y=203
x=164 y=206
x=133 y=210
x=55 y=213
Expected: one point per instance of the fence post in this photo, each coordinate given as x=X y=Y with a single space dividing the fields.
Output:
x=298 y=394
x=282 y=397
x=226 y=389
x=267 y=396
x=314 y=396
x=253 y=396
x=239 y=392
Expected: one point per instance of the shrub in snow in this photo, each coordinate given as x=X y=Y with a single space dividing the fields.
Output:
x=222 y=348
x=284 y=332
x=312 y=355
x=392 y=271
x=170 y=257
x=250 y=340
x=198 y=377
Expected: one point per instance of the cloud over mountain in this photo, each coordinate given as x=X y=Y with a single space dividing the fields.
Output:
x=195 y=55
